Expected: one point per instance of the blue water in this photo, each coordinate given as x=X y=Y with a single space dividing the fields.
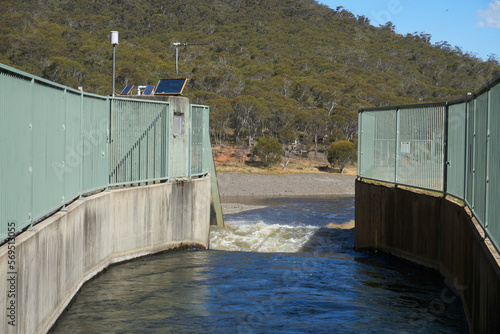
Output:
x=287 y=274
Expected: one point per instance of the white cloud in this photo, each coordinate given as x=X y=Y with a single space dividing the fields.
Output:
x=490 y=17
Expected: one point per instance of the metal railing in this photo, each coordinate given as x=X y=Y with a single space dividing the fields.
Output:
x=58 y=143
x=138 y=144
x=448 y=147
x=200 y=153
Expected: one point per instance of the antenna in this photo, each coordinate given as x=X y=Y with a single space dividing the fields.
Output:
x=177 y=45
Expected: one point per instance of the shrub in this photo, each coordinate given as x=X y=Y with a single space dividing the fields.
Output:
x=269 y=150
x=341 y=154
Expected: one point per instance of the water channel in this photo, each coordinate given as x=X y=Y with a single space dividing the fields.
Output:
x=278 y=270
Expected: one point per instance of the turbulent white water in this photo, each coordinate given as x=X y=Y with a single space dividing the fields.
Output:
x=260 y=237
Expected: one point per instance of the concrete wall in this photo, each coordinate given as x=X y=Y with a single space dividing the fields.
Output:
x=71 y=247
x=436 y=232
x=179 y=144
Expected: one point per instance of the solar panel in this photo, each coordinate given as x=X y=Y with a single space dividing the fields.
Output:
x=127 y=90
x=170 y=86
x=149 y=90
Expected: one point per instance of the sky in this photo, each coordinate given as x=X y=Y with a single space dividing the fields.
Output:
x=472 y=25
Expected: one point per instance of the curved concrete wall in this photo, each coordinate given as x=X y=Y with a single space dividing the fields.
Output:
x=69 y=248
x=436 y=232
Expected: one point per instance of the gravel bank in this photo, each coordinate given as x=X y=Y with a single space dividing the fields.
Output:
x=263 y=185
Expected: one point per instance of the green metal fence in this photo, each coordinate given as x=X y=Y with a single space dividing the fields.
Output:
x=59 y=143
x=377 y=156
x=393 y=149
x=199 y=153
x=139 y=141
x=449 y=147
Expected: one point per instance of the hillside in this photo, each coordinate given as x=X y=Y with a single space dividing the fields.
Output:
x=292 y=69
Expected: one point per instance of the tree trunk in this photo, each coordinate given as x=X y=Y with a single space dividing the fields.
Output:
x=287 y=160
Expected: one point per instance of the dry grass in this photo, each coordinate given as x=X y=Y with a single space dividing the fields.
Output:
x=234 y=160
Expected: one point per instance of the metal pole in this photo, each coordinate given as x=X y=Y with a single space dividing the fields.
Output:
x=114 y=54
x=114 y=42
x=176 y=61
x=176 y=45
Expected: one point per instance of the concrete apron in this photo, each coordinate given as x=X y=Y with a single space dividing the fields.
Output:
x=69 y=248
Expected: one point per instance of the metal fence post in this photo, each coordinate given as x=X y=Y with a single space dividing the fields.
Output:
x=360 y=135
x=474 y=139
x=108 y=141
x=165 y=142
x=30 y=171
x=207 y=146
x=466 y=145
x=190 y=141
x=82 y=136
x=488 y=160
x=445 y=149
x=64 y=148
x=396 y=157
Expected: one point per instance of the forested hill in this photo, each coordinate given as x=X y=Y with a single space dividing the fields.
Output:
x=291 y=62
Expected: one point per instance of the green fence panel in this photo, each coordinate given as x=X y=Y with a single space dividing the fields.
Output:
x=360 y=140
x=15 y=150
x=48 y=148
x=421 y=148
x=493 y=199
x=480 y=149
x=139 y=141
x=456 y=150
x=94 y=143
x=73 y=157
x=199 y=118
x=377 y=145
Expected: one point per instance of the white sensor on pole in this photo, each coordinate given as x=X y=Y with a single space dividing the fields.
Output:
x=114 y=37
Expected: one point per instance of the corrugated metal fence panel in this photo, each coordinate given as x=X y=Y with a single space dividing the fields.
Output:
x=480 y=142
x=494 y=163
x=15 y=151
x=199 y=114
x=94 y=149
x=377 y=145
x=139 y=148
x=73 y=158
x=48 y=149
x=456 y=150
x=421 y=147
